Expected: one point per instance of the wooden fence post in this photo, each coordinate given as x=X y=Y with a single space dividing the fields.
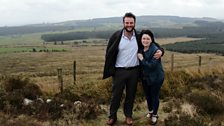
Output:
x=172 y=62
x=199 y=64
x=74 y=72
x=60 y=79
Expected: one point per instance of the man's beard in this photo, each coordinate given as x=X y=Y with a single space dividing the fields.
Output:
x=129 y=30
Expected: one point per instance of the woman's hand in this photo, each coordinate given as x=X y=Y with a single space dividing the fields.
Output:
x=140 y=56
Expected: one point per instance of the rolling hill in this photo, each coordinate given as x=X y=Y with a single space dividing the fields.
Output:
x=105 y=24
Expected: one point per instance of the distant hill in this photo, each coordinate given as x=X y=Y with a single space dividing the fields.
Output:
x=142 y=21
x=152 y=21
x=110 y=23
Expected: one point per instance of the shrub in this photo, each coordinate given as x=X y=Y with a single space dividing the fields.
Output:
x=14 y=83
x=99 y=91
x=175 y=84
x=23 y=86
x=32 y=91
x=15 y=99
x=140 y=95
x=206 y=102
x=103 y=91
x=54 y=110
x=2 y=98
x=22 y=120
x=183 y=119
x=87 y=110
x=15 y=89
x=168 y=107
x=68 y=94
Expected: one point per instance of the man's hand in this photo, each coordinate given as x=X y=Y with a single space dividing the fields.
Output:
x=158 y=54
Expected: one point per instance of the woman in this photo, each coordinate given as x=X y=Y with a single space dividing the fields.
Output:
x=153 y=74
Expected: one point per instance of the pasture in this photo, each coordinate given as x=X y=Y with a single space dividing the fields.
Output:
x=42 y=66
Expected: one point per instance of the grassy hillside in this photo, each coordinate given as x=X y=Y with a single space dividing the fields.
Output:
x=188 y=96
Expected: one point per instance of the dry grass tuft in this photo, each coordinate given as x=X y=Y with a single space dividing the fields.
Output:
x=188 y=109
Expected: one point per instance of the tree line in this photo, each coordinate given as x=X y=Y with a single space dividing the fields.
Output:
x=211 y=32
x=212 y=42
x=208 y=45
x=75 y=35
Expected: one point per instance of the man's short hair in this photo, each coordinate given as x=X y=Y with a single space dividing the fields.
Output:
x=129 y=14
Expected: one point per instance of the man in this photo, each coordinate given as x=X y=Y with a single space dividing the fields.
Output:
x=123 y=65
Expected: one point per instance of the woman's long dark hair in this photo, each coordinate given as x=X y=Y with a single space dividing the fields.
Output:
x=148 y=32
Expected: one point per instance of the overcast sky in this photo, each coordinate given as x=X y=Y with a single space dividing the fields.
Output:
x=21 y=12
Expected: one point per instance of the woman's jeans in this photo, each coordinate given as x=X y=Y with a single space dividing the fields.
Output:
x=152 y=95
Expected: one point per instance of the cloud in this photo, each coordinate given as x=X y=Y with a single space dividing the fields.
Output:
x=17 y=12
